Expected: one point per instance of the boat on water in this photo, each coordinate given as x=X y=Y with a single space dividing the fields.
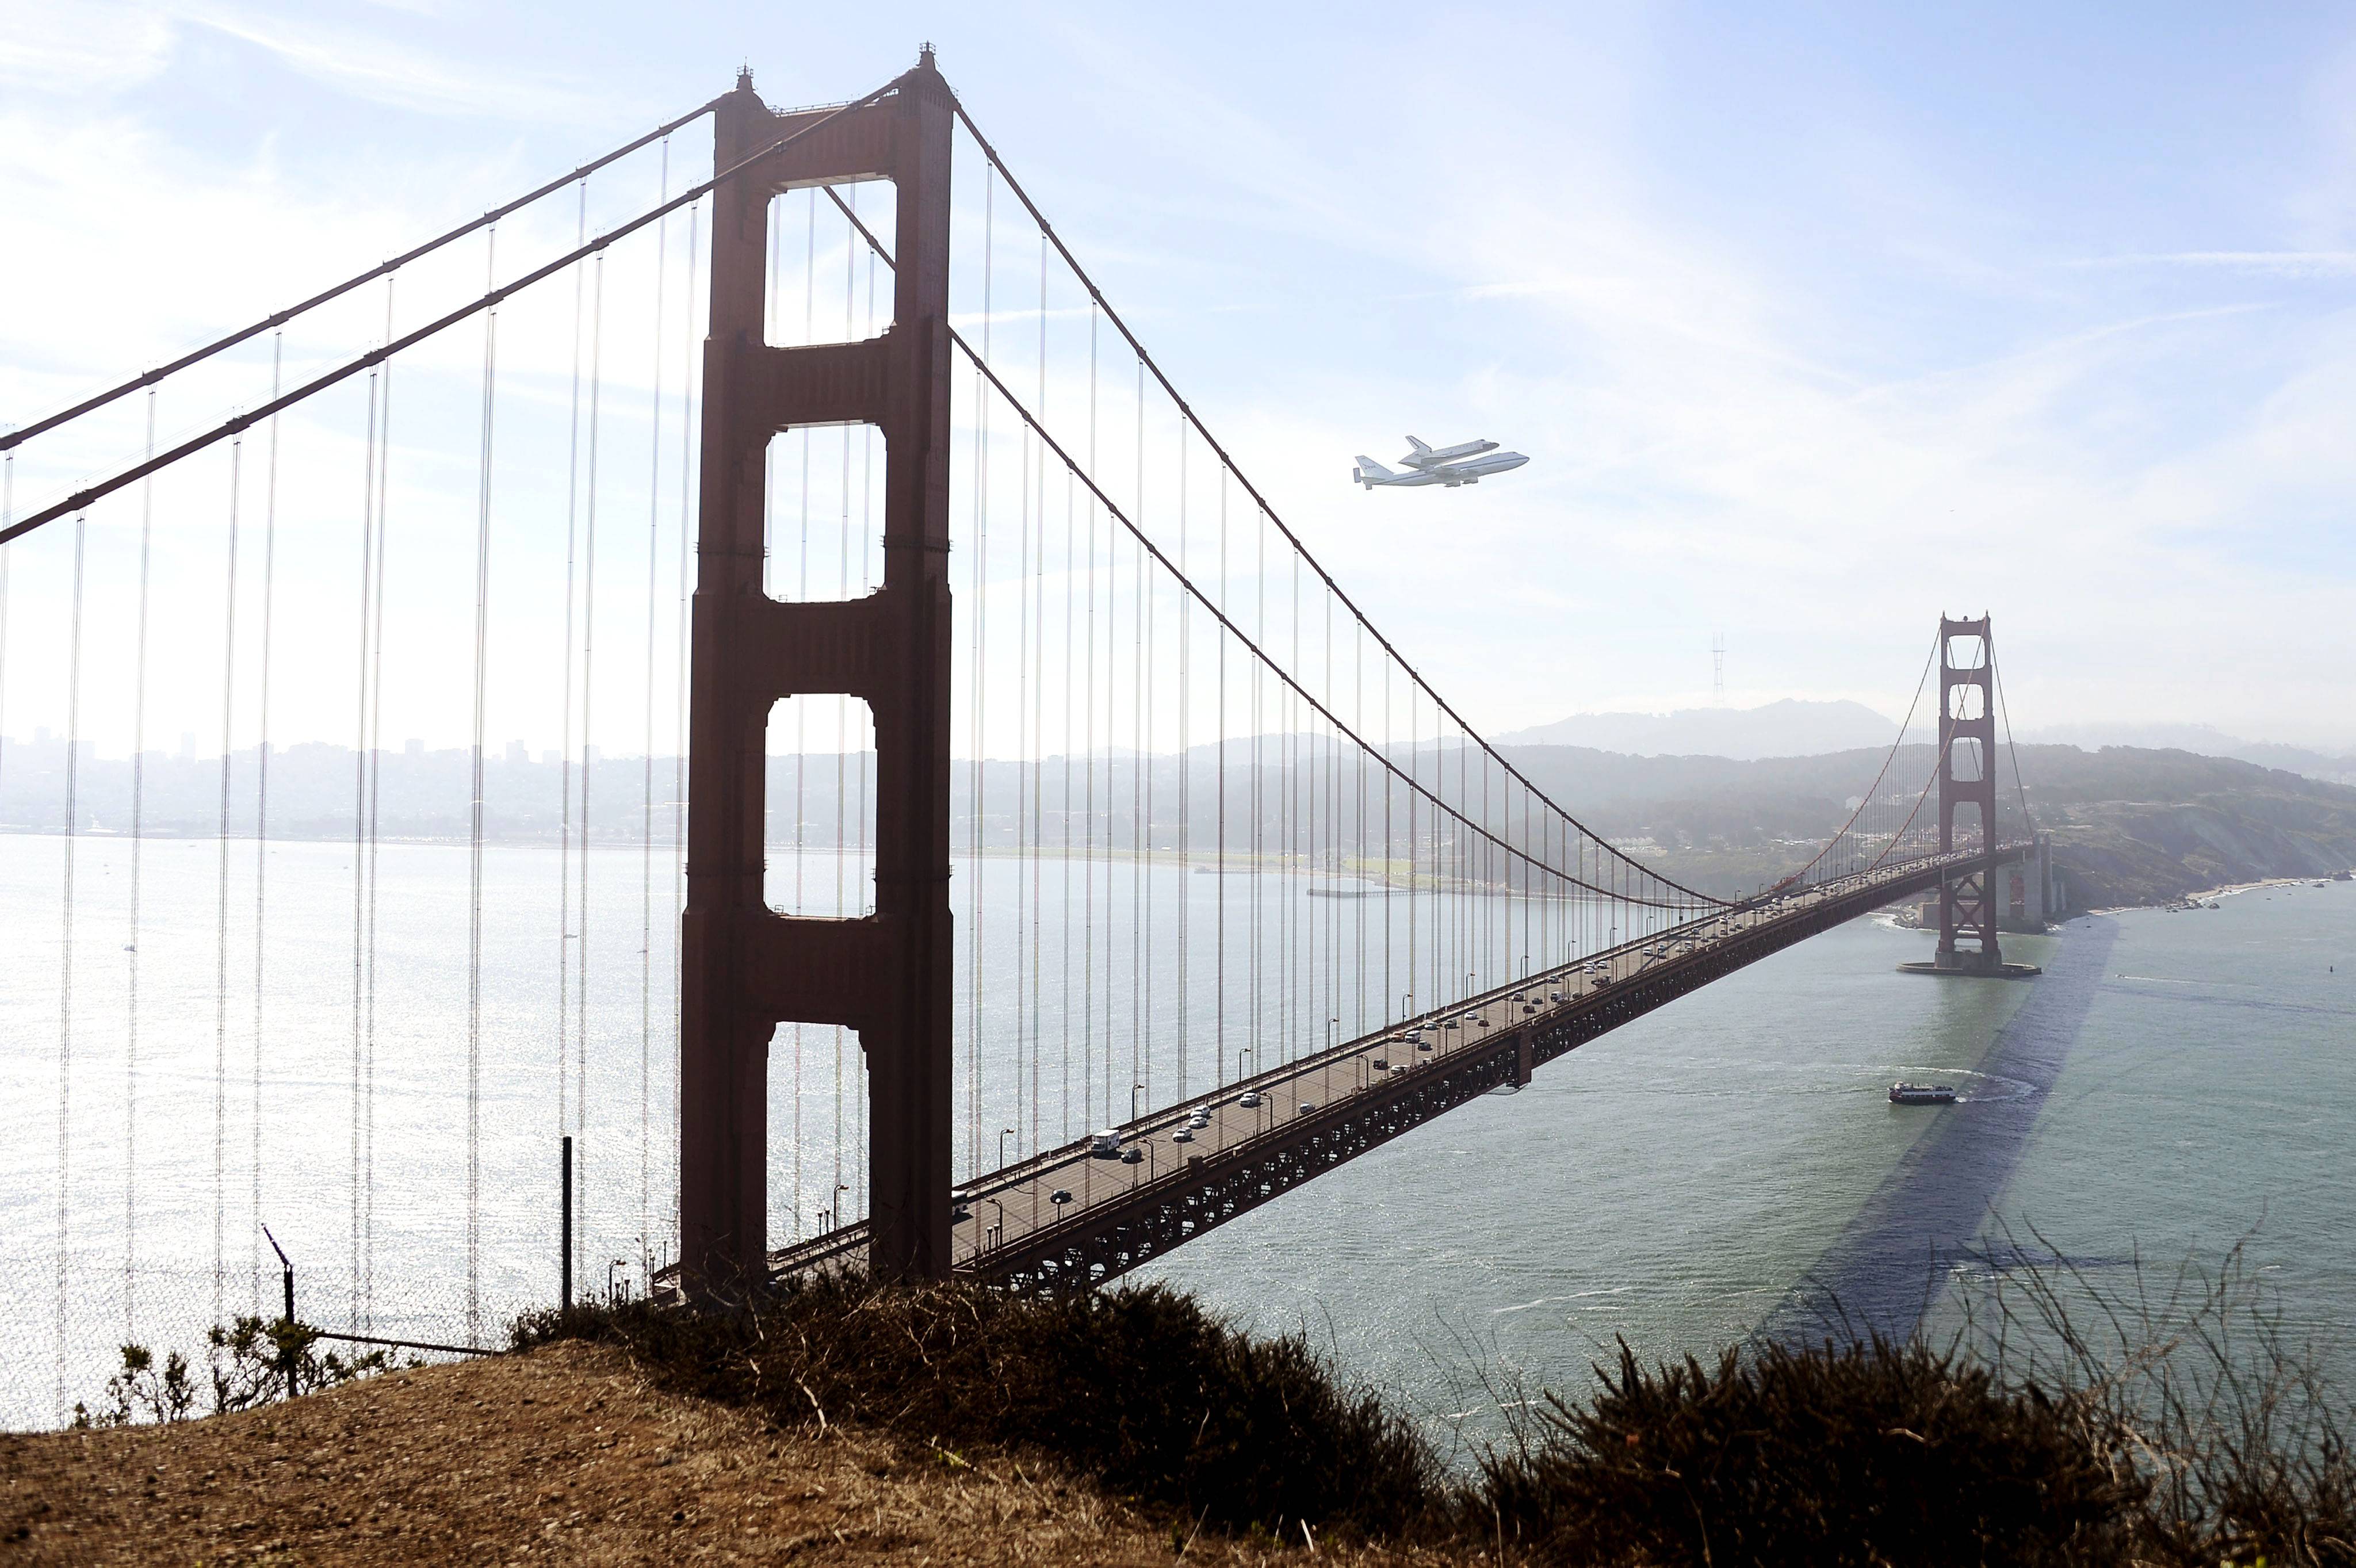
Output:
x=1921 y=1094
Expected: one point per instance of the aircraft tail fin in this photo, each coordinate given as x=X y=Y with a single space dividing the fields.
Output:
x=1369 y=471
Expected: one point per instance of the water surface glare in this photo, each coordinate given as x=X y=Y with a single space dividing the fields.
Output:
x=2172 y=1082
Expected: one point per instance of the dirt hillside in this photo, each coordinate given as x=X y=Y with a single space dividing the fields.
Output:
x=561 y=1455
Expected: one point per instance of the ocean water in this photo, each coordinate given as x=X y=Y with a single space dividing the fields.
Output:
x=2174 y=1084
x=2170 y=1086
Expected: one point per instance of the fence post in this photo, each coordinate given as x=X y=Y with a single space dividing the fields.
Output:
x=564 y=1179
x=289 y=1358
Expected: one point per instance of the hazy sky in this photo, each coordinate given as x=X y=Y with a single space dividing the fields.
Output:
x=1815 y=320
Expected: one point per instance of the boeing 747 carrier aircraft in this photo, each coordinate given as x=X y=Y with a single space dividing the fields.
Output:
x=1451 y=466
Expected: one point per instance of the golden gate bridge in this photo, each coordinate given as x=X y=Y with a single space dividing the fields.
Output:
x=1040 y=816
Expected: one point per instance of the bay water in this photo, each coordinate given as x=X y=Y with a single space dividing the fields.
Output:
x=2173 y=1084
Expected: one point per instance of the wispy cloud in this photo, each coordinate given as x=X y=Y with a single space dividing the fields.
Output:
x=2278 y=263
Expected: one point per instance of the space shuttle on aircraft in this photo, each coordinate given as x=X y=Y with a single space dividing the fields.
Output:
x=1467 y=463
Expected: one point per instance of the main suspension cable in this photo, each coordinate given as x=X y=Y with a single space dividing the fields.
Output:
x=1145 y=363
x=383 y=269
x=1097 y=294
x=368 y=361
x=1299 y=690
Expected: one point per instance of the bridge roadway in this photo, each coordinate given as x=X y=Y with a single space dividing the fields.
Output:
x=1067 y=1219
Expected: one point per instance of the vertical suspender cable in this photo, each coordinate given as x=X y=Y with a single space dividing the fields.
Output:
x=1147 y=680
x=375 y=796
x=565 y=750
x=1219 y=868
x=588 y=625
x=1071 y=519
x=842 y=708
x=867 y=584
x=474 y=810
x=220 y=907
x=647 y=784
x=1038 y=705
x=979 y=768
x=262 y=836
x=686 y=607
x=7 y=516
x=1025 y=1055
x=359 y=836
x=1186 y=994
x=1254 y=1022
x=801 y=709
x=139 y=843
x=66 y=945
x=1088 y=762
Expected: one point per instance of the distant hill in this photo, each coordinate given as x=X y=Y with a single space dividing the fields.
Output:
x=2203 y=740
x=2130 y=825
x=1786 y=729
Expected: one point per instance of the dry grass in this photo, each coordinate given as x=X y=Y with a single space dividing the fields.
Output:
x=566 y=1454
x=1139 y=1387
x=2071 y=1422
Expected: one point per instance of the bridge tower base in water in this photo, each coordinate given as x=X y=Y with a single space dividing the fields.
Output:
x=745 y=968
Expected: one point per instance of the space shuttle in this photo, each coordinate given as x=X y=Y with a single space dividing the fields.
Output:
x=1467 y=463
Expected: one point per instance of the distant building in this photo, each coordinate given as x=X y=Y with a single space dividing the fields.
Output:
x=516 y=755
x=187 y=746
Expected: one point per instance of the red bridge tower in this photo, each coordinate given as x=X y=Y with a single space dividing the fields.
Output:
x=744 y=967
x=1967 y=905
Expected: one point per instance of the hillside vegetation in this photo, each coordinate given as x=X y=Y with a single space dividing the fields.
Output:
x=838 y=1422
x=2129 y=825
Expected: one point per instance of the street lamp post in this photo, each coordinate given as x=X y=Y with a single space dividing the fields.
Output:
x=1003 y=1134
x=1134 y=1091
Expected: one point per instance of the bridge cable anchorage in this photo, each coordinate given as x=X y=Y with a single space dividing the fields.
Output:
x=279 y=319
x=1300 y=691
x=1096 y=294
x=262 y=836
x=82 y=498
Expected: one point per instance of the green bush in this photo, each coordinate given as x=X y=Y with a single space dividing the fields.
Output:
x=1864 y=1453
x=1138 y=1387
